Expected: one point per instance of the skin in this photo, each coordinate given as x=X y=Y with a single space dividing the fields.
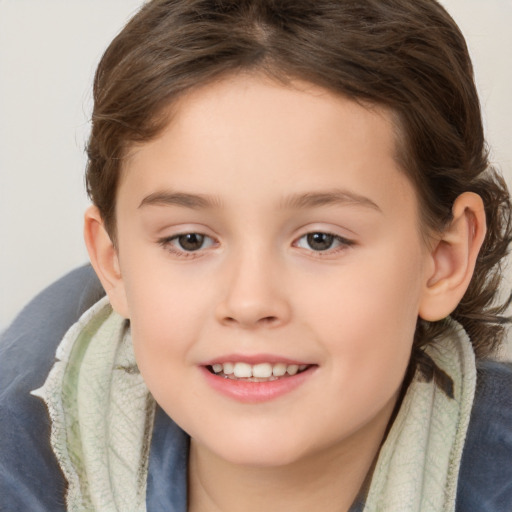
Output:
x=257 y=151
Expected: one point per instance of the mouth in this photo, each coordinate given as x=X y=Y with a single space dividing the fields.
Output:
x=261 y=372
x=258 y=378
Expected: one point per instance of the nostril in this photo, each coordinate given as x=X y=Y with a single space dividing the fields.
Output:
x=268 y=320
x=264 y=321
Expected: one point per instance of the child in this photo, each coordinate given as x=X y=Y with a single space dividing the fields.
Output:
x=300 y=239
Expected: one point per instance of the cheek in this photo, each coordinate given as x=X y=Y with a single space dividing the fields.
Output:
x=161 y=296
x=167 y=315
x=368 y=318
x=377 y=294
x=164 y=334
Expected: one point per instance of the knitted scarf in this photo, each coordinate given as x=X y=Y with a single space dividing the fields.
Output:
x=102 y=419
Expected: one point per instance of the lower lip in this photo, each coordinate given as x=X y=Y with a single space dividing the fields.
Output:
x=256 y=392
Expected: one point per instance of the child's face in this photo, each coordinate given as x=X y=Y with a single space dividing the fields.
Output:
x=304 y=248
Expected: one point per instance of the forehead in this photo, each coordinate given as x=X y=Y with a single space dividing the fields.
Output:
x=244 y=134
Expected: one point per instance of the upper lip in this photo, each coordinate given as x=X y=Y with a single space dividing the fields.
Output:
x=253 y=359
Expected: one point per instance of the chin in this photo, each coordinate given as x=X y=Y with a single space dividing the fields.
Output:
x=261 y=458
x=259 y=451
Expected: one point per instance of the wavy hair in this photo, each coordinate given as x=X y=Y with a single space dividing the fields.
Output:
x=408 y=56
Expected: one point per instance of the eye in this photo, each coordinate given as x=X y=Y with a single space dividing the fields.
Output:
x=321 y=242
x=190 y=241
x=187 y=242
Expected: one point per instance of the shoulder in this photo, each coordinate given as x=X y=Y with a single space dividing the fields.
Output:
x=485 y=478
x=29 y=475
x=27 y=347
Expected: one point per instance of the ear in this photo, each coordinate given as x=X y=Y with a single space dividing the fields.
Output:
x=105 y=260
x=453 y=258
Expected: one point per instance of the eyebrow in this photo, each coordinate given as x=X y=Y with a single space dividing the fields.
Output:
x=295 y=201
x=193 y=201
x=331 y=197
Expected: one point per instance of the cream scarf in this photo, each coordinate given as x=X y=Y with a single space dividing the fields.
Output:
x=102 y=419
x=102 y=415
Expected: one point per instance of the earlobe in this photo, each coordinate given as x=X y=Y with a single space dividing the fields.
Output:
x=453 y=258
x=104 y=259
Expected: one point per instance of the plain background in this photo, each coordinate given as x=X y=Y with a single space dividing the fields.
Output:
x=48 y=52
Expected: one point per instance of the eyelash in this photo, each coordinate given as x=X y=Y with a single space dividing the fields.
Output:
x=167 y=244
x=343 y=244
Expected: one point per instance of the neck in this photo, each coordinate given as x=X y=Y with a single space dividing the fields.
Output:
x=329 y=480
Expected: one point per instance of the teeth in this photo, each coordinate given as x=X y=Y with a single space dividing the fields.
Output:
x=292 y=369
x=243 y=370
x=228 y=368
x=263 y=370
x=279 y=370
x=258 y=371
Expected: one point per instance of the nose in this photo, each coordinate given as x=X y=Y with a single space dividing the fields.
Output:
x=255 y=295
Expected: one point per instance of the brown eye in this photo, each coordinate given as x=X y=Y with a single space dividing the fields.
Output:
x=187 y=245
x=320 y=241
x=190 y=241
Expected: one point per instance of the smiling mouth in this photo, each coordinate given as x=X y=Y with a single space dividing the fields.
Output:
x=262 y=372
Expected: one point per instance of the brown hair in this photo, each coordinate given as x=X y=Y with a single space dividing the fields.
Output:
x=408 y=56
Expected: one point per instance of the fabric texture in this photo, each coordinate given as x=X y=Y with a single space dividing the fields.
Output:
x=418 y=465
x=485 y=478
x=30 y=477
x=102 y=416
